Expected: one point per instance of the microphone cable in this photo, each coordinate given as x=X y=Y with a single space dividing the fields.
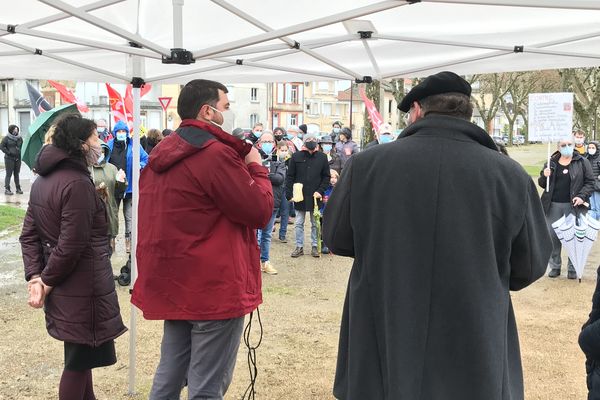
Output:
x=252 y=367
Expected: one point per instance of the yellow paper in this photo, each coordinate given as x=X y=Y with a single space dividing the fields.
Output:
x=297 y=193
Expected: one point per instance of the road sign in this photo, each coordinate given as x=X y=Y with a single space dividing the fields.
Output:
x=164 y=102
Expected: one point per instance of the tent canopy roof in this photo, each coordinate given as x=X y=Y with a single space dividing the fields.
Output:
x=270 y=40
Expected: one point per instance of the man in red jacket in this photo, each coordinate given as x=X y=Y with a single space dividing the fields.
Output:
x=197 y=256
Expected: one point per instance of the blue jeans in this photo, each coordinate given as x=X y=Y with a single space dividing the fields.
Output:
x=264 y=237
x=595 y=205
x=300 y=217
x=284 y=214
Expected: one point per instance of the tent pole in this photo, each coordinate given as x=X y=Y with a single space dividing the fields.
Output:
x=313 y=44
x=137 y=82
x=302 y=27
x=64 y=60
x=292 y=43
x=60 y=16
x=178 y=24
x=107 y=26
x=84 y=42
x=372 y=58
x=285 y=69
x=568 y=5
x=351 y=101
x=134 y=232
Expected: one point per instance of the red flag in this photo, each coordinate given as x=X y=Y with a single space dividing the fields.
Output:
x=68 y=96
x=129 y=100
x=374 y=115
x=117 y=106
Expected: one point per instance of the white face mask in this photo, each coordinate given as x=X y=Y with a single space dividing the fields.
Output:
x=228 y=120
x=592 y=151
x=579 y=140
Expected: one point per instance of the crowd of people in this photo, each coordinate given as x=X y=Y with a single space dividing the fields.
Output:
x=459 y=239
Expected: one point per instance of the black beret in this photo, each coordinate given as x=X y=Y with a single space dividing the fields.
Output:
x=443 y=82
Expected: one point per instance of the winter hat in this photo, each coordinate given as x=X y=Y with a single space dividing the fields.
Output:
x=326 y=139
x=11 y=128
x=443 y=82
x=303 y=128
x=346 y=132
x=120 y=126
x=309 y=136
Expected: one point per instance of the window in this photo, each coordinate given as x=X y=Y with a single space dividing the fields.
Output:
x=323 y=86
x=288 y=93
x=280 y=92
x=327 y=109
x=479 y=122
x=389 y=107
x=254 y=94
x=253 y=119
x=312 y=107
x=293 y=119
x=275 y=120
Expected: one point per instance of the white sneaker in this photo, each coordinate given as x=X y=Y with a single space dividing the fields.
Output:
x=267 y=268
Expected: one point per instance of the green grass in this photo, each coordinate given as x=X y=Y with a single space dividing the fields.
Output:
x=533 y=170
x=10 y=217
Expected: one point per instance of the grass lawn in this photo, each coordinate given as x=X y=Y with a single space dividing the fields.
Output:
x=10 y=217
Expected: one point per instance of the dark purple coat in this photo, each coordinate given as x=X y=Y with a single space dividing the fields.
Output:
x=64 y=239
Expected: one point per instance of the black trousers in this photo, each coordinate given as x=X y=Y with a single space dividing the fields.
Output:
x=13 y=166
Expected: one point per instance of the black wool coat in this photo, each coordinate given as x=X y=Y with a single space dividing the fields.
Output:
x=589 y=341
x=582 y=180
x=312 y=170
x=441 y=227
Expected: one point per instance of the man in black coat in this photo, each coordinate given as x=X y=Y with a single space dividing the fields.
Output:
x=11 y=147
x=441 y=226
x=310 y=168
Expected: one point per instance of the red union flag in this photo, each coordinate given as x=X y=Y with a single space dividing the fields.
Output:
x=117 y=105
x=68 y=96
x=129 y=100
x=374 y=115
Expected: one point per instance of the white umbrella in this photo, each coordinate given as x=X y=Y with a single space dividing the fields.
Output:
x=578 y=236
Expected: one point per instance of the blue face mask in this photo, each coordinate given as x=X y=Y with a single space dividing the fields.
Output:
x=326 y=148
x=101 y=158
x=122 y=136
x=257 y=133
x=300 y=135
x=267 y=148
x=336 y=130
x=566 y=151
x=385 y=139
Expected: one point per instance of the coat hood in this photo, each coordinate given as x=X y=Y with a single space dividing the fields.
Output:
x=120 y=126
x=188 y=139
x=51 y=157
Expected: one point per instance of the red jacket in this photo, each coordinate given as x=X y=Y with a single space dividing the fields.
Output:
x=197 y=255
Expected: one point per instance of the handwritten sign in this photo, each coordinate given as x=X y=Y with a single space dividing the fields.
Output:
x=550 y=116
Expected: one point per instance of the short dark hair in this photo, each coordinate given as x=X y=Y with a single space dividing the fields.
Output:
x=195 y=94
x=452 y=104
x=70 y=131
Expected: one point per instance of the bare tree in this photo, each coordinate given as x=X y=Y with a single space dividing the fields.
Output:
x=372 y=91
x=585 y=84
x=490 y=89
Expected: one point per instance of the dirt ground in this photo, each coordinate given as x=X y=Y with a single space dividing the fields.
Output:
x=300 y=317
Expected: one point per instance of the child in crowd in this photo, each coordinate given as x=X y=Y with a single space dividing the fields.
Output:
x=334 y=178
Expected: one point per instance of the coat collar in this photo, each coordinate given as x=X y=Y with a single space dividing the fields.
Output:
x=240 y=146
x=450 y=126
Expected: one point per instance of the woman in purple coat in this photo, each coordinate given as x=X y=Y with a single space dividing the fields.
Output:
x=66 y=256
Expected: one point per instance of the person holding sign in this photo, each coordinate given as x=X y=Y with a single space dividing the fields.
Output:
x=570 y=186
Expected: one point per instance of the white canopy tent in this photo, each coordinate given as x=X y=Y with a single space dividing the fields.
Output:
x=277 y=41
